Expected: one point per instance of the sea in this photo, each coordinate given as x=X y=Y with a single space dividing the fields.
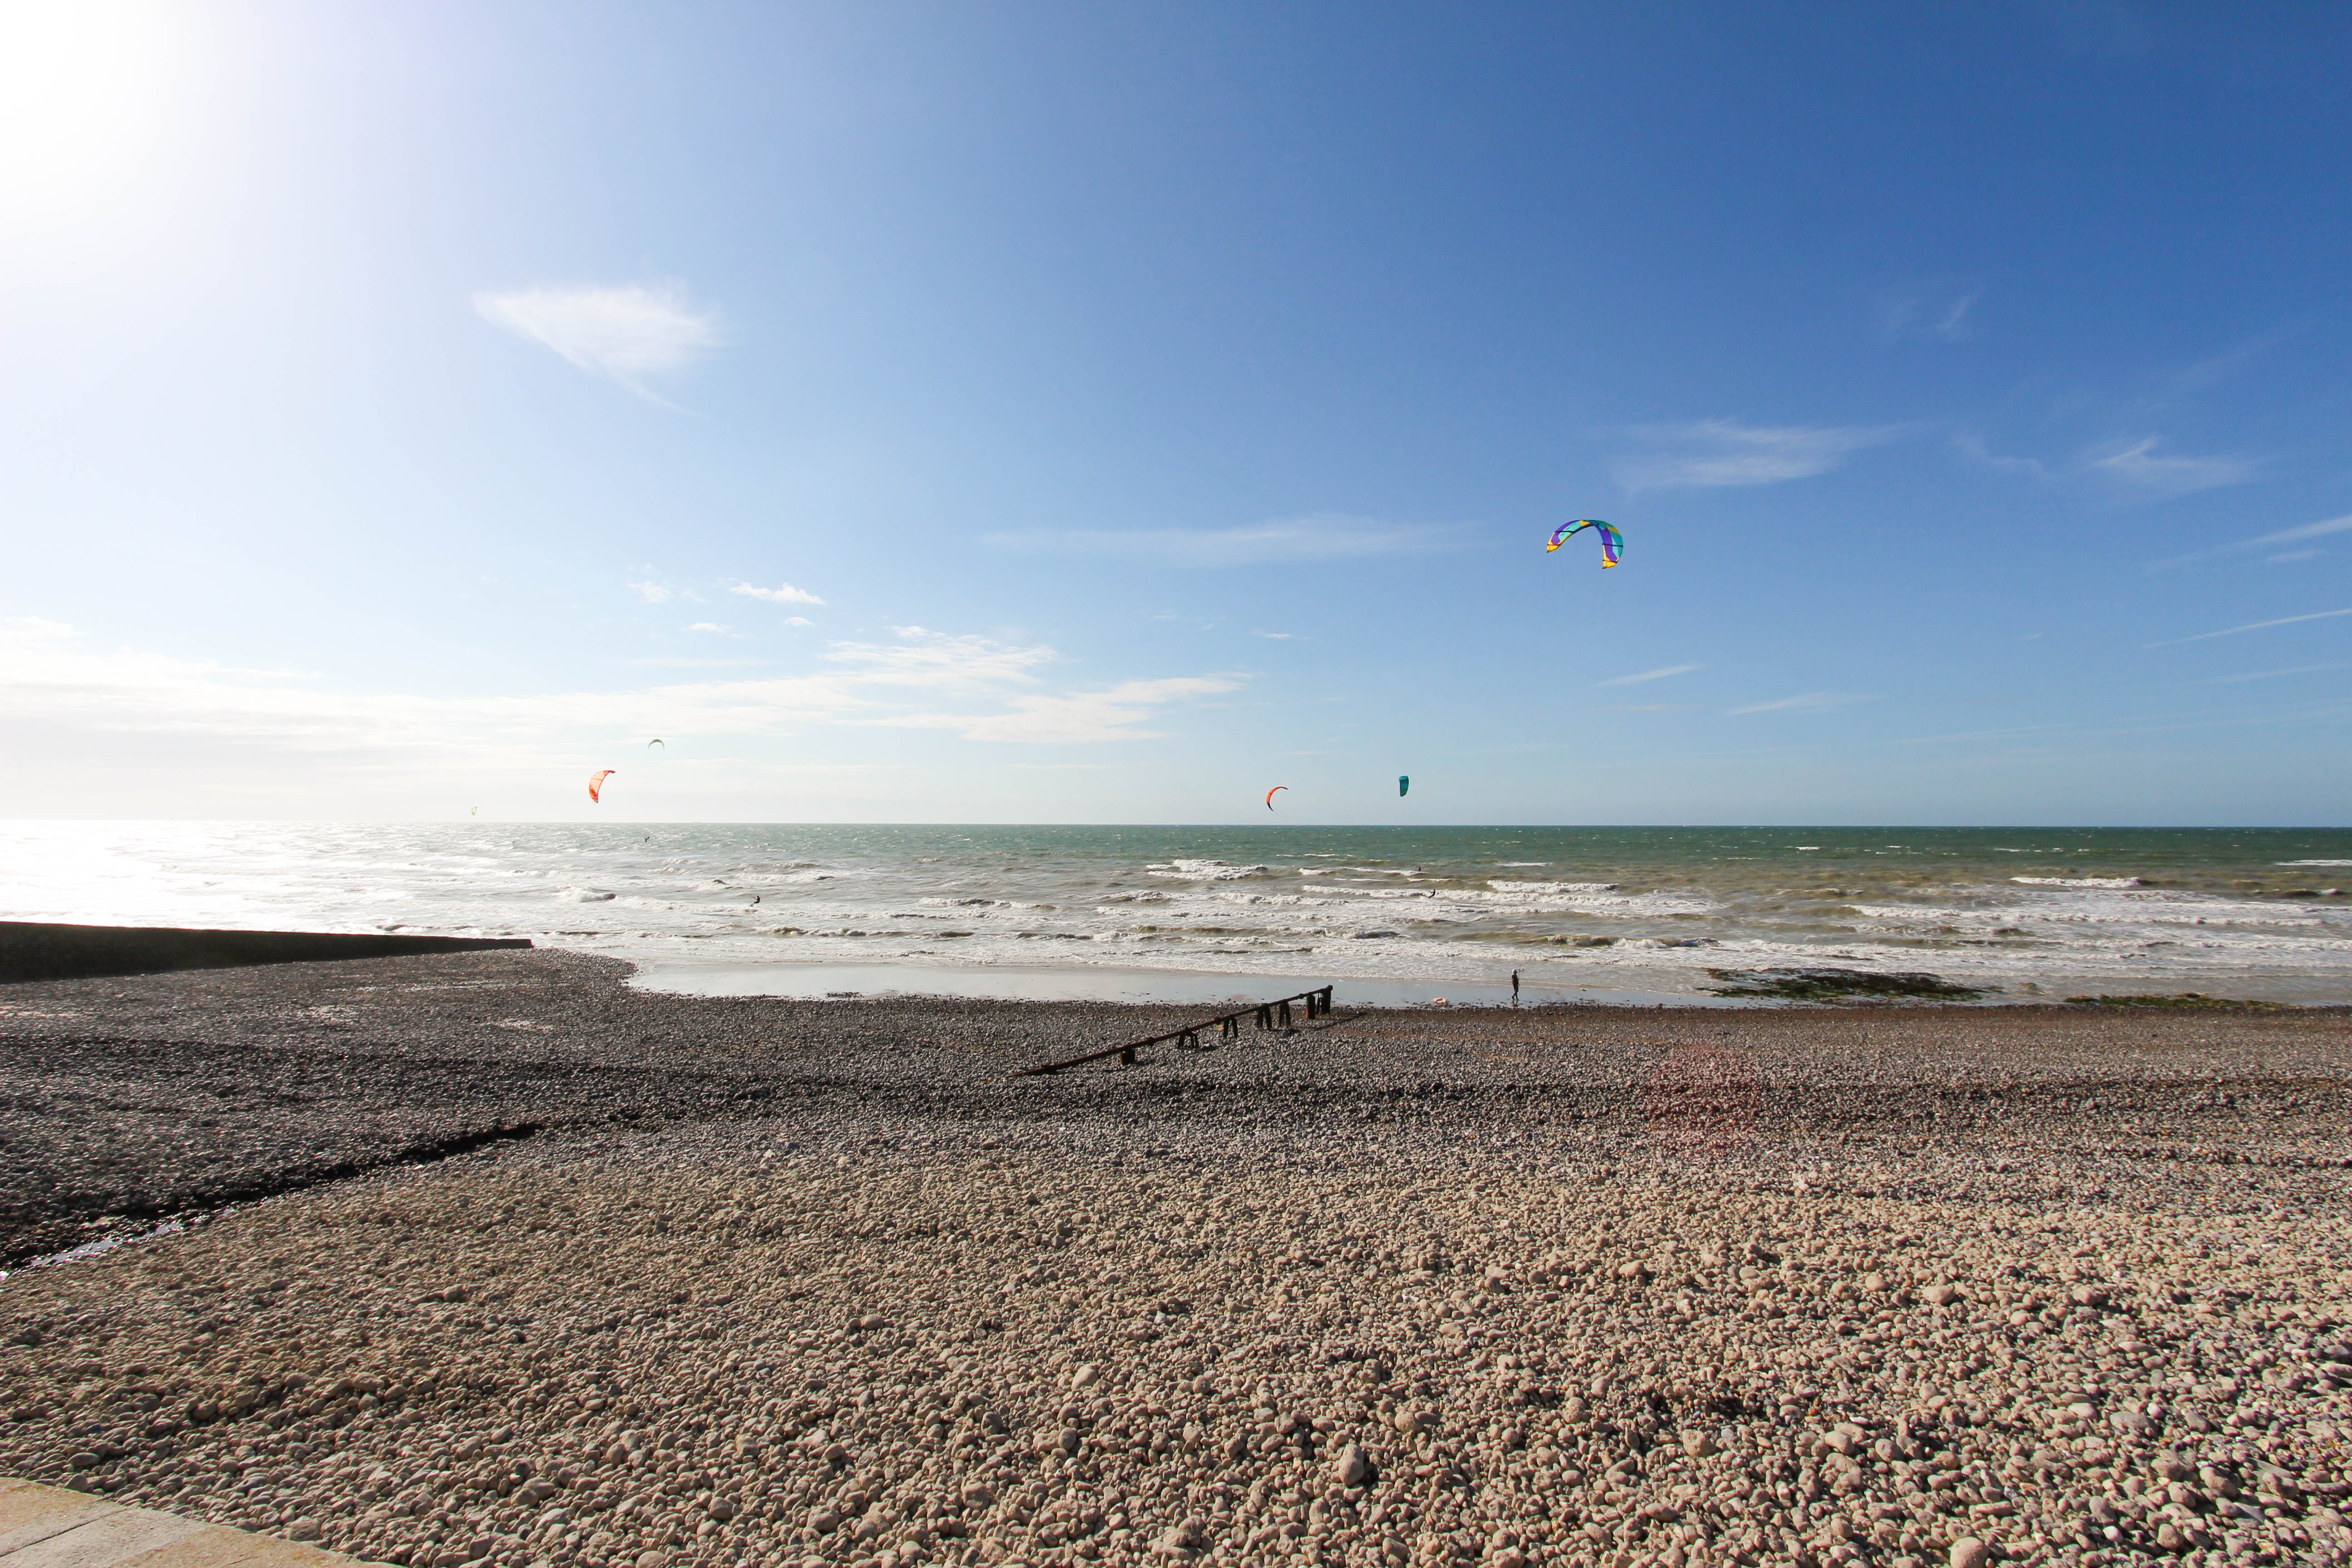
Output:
x=1386 y=915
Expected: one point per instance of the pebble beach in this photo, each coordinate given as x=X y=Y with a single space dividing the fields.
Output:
x=488 y=1260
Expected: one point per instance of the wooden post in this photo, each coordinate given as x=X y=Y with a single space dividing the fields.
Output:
x=1188 y=1037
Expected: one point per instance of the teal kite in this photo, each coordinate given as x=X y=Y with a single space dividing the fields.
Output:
x=1404 y=783
x=1613 y=543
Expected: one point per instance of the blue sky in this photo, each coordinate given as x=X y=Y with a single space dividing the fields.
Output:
x=1019 y=413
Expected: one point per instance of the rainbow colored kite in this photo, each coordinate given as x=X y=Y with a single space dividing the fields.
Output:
x=1613 y=543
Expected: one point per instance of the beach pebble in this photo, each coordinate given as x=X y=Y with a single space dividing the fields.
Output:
x=1180 y=1540
x=1969 y=1552
x=911 y=1310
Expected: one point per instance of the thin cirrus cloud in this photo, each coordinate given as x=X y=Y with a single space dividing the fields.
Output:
x=1803 y=702
x=1938 y=309
x=972 y=686
x=944 y=660
x=2251 y=626
x=2138 y=466
x=1652 y=675
x=626 y=332
x=1323 y=536
x=2296 y=535
x=782 y=594
x=1078 y=718
x=1726 y=452
x=2272 y=674
x=2135 y=468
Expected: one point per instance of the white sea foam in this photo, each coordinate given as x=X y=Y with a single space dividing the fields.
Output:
x=1204 y=870
x=1242 y=905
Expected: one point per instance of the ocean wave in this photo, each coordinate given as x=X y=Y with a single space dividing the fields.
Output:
x=1455 y=913
x=1204 y=870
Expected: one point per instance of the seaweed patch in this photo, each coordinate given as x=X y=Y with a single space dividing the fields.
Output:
x=2188 y=999
x=1837 y=984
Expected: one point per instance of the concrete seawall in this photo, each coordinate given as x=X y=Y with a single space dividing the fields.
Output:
x=32 y=951
x=50 y=1527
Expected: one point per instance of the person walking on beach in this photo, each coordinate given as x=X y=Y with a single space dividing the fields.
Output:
x=1514 y=987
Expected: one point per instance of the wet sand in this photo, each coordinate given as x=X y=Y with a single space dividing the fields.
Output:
x=518 y=1265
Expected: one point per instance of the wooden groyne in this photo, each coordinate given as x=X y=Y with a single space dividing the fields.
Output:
x=1274 y=1015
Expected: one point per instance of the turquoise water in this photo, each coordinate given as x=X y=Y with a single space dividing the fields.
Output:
x=1576 y=911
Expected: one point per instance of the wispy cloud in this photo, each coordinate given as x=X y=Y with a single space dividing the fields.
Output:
x=969 y=685
x=2138 y=466
x=2230 y=361
x=1973 y=447
x=1079 y=718
x=2272 y=674
x=782 y=594
x=624 y=331
x=1718 y=452
x=798 y=621
x=706 y=626
x=1325 y=536
x=2296 y=535
x=1648 y=708
x=651 y=592
x=1937 y=309
x=924 y=657
x=1804 y=703
x=2251 y=626
x=1652 y=675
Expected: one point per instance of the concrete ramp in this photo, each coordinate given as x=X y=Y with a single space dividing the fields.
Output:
x=32 y=951
x=49 y=1527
